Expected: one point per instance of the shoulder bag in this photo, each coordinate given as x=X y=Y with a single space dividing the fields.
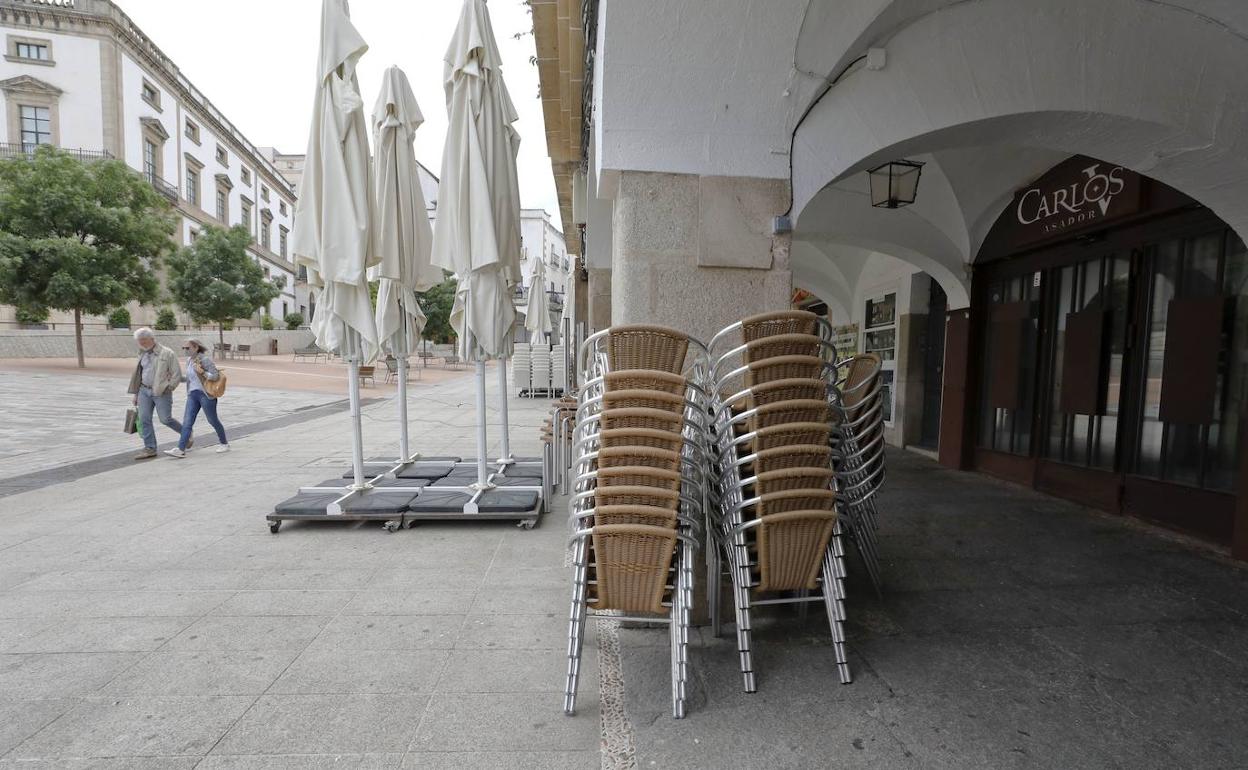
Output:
x=214 y=388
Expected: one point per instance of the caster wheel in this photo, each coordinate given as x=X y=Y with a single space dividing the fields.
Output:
x=274 y=526
x=530 y=524
x=391 y=526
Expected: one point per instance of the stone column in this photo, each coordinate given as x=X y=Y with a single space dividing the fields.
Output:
x=696 y=253
x=599 y=299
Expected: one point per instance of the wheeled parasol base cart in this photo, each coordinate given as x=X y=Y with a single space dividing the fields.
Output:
x=401 y=493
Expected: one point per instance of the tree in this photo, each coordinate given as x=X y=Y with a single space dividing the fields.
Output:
x=119 y=318
x=80 y=236
x=166 y=320
x=214 y=279
x=436 y=304
x=293 y=321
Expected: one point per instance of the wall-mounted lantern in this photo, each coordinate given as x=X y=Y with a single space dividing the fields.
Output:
x=894 y=184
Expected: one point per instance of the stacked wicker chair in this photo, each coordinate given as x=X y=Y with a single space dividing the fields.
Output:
x=557 y=439
x=859 y=453
x=777 y=425
x=638 y=499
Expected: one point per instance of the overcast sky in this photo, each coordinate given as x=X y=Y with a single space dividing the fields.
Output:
x=256 y=60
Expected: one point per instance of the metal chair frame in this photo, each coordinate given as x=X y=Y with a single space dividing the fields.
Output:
x=733 y=455
x=581 y=429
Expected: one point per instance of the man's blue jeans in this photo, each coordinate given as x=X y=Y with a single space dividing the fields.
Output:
x=163 y=406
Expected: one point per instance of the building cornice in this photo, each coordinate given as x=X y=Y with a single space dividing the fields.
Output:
x=82 y=16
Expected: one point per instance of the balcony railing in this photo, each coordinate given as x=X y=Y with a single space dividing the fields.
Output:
x=166 y=189
x=12 y=150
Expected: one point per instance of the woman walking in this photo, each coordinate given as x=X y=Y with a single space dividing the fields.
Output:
x=199 y=368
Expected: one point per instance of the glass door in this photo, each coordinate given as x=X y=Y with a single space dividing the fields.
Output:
x=1086 y=333
x=1008 y=384
x=1191 y=380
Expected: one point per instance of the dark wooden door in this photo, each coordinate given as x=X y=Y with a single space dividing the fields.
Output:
x=933 y=365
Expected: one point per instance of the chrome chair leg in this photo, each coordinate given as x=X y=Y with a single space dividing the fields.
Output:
x=833 y=591
x=714 y=588
x=576 y=626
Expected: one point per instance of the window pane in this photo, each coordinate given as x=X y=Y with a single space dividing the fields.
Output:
x=1224 y=436
x=1167 y=258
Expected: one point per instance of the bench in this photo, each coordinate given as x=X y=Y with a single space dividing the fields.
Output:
x=227 y=351
x=452 y=360
x=243 y=351
x=392 y=369
x=312 y=352
x=425 y=357
x=368 y=373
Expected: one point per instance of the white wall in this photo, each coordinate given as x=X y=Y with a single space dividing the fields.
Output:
x=134 y=108
x=77 y=74
x=696 y=87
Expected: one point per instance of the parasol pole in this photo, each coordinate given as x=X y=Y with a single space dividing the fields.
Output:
x=353 y=391
x=464 y=342
x=405 y=453
x=502 y=398
x=481 y=472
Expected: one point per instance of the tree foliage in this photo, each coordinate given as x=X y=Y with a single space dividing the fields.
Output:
x=80 y=236
x=436 y=304
x=166 y=320
x=119 y=318
x=214 y=279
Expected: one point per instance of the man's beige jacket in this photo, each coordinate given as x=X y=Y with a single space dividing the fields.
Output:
x=165 y=379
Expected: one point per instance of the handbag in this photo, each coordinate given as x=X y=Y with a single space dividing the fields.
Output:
x=132 y=420
x=214 y=388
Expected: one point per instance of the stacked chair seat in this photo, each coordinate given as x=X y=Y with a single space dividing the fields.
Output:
x=521 y=368
x=639 y=488
x=559 y=369
x=782 y=429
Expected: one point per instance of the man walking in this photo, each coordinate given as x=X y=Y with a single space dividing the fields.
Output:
x=155 y=377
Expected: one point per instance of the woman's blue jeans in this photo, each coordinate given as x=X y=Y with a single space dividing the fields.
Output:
x=195 y=401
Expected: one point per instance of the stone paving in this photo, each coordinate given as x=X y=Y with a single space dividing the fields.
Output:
x=1016 y=630
x=52 y=419
x=149 y=619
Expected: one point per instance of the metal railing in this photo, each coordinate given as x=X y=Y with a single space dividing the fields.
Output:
x=166 y=189
x=13 y=150
x=249 y=326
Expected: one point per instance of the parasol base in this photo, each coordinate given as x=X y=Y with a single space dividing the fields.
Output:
x=428 y=489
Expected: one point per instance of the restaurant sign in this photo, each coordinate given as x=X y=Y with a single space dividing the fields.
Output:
x=1077 y=195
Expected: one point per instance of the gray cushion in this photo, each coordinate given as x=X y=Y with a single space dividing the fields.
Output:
x=433 y=500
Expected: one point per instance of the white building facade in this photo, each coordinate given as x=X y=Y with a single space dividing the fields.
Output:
x=81 y=75
x=290 y=166
x=1085 y=167
x=541 y=240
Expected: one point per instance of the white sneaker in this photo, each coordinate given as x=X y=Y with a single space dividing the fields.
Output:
x=223 y=449
x=175 y=452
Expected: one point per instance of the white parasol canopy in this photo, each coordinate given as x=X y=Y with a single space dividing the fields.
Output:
x=537 y=311
x=402 y=236
x=477 y=232
x=332 y=220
